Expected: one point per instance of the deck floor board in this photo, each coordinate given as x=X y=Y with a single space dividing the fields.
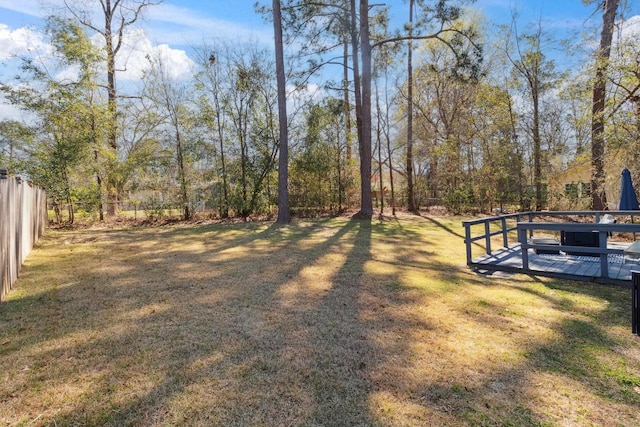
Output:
x=577 y=268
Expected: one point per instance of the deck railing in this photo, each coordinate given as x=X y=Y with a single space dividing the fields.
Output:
x=502 y=222
x=517 y=230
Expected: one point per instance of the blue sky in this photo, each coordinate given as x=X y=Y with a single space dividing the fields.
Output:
x=177 y=26
x=187 y=22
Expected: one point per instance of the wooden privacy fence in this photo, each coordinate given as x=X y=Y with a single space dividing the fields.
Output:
x=23 y=217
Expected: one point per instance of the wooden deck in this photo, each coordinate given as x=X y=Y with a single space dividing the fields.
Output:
x=602 y=262
x=584 y=268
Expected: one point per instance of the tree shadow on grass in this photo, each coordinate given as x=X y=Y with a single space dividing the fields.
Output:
x=184 y=336
x=581 y=366
x=443 y=226
x=584 y=352
x=338 y=377
x=287 y=326
x=585 y=361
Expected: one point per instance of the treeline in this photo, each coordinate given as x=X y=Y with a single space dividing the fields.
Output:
x=471 y=120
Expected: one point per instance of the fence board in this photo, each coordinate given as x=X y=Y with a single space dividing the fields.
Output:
x=4 y=243
x=23 y=217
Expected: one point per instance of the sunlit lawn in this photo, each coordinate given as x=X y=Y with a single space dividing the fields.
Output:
x=319 y=323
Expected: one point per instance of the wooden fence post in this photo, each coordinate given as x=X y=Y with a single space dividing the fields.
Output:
x=4 y=228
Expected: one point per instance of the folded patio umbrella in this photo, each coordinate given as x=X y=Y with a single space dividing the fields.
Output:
x=628 y=198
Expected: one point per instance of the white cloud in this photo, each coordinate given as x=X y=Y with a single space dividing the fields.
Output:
x=165 y=23
x=132 y=59
x=28 y=7
x=180 y=26
x=21 y=42
x=177 y=63
x=630 y=28
x=68 y=74
x=9 y=112
x=311 y=92
x=299 y=97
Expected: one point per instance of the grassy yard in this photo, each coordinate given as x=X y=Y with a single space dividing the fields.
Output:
x=320 y=323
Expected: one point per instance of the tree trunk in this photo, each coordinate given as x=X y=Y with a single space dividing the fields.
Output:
x=70 y=210
x=355 y=52
x=339 y=170
x=99 y=185
x=283 y=159
x=599 y=198
x=379 y=148
x=184 y=192
x=243 y=176
x=345 y=88
x=411 y=197
x=225 y=186
x=537 y=155
x=96 y=159
x=366 y=202
x=112 y=131
x=389 y=152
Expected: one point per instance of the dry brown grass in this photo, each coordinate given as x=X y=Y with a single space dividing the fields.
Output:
x=320 y=323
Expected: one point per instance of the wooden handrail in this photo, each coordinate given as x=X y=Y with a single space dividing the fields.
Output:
x=525 y=221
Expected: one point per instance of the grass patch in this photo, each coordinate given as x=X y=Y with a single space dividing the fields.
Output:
x=319 y=323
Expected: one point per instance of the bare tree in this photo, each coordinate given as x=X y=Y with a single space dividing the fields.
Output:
x=118 y=16
x=311 y=20
x=211 y=84
x=599 y=197
x=531 y=66
x=171 y=99
x=442 y=15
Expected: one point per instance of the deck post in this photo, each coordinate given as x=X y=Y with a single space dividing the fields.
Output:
x=487 y=233
x=467 y=241
x=522 y=238
x=604 y=257
x=635 y=302
x=505 y=237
